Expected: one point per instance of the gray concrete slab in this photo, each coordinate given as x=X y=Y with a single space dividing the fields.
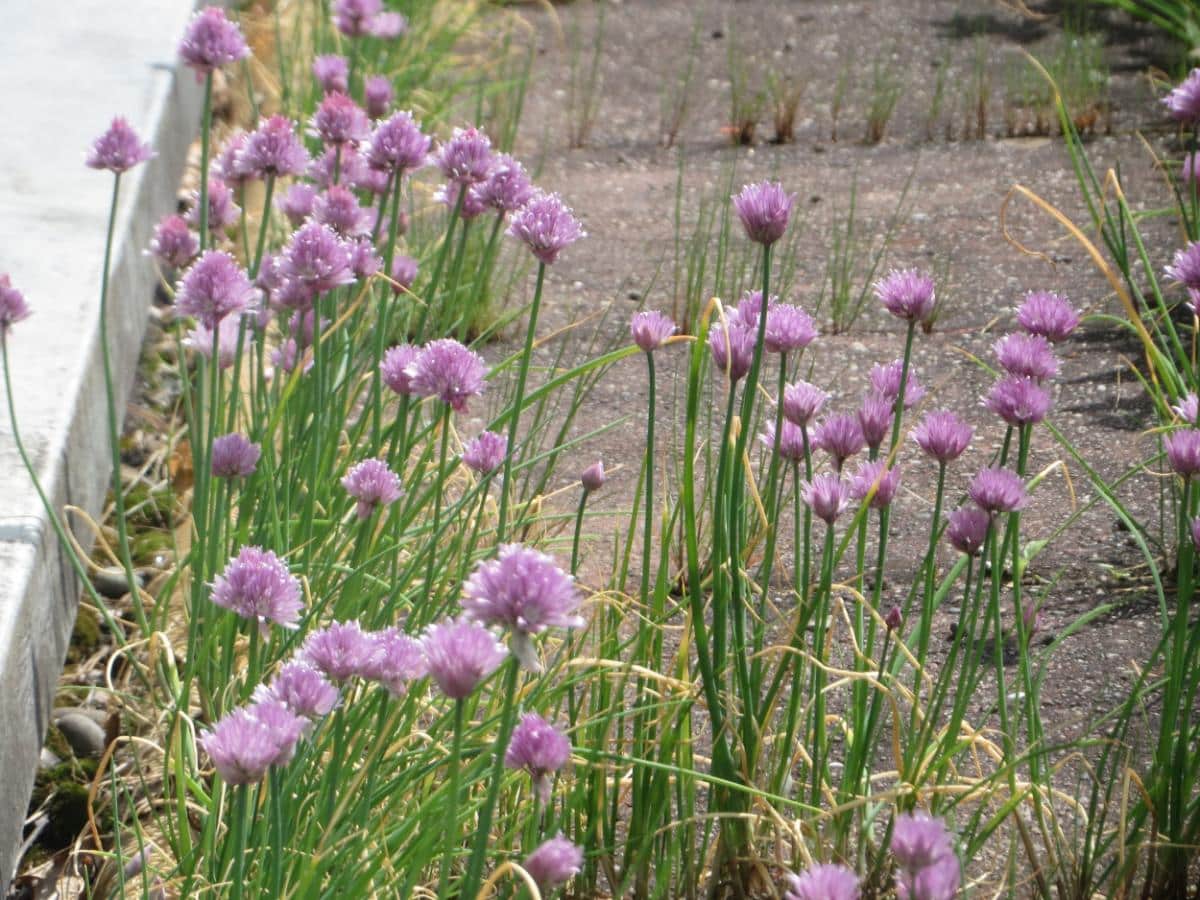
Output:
x=67 y=70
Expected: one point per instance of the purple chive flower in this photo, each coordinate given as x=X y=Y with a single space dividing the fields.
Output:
x=317 y=258
x=592 y=478
x=398 y=144
x=524 y=591
x=404 y=273
x=907 y=294
x=1185 y=266
x=507 y=187
x=826 y=496
x=546 y=225
x=395 y=660
x=486 y=453
x=885 y=378
x=339 y=120
x=341 y=650
x=942 y=435
x=554 y=862
x=257 y=585
x=283 y=723
x=732 y=349
x=372 y=484
x=349 y=166
x=461 y=655
x=749 y=309
x=243 y=747
x=540 y=749
x=1188 y=409
x=825 y=881
x=764 y=209
x=297 y=202
x=378 y=94
x=353 y=17
x=212 y=41
x=287 y=354
x=1047 y=314
x=788 y=328
x=650 y=329
x=338 y=208
x=840 y=436
x=200 y=339
x=998 y=490
x=395 y=368
x=791 y=440
x=332 y=73
x=466 y=158
x=803 y=402
x=878 y=477
x=894 y=618
x=274 y=148
x=365 y=260
x=967 y=528
x=233 y=456
x=119 y=149
x=939 y=881
x=449 y=371
x=223 y=212
x=1018 y=401
x=875 y=418
x=227 y=165
x=173 y=244
x=1183 y=451
x=1027 y=355
x=12 y=305
x=1183 y=102
x=213 y=288
x=388 y=26
x=920 y=840
x=303 y=689
x=472 y=206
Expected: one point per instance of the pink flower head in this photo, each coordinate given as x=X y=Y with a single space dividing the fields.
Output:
x=803 y=402
x=466 y=158
x=1018 y=401
x=395 y=660
x=1183 y=451
x=317 y=258
x=398 y=144
x=378 y=94
x=507 y=187
x=920 y=840
x=788 y=328
x=885 y=378
x=200 y=339
x=876 y=476
x=547 y=226
x=449 y=371
x=894 y=618
x=297 y=202
x=283 y=723
x=119 y=149
x=388 y=26
x=227 y=166
x=461 y=655
x=939 y=881
x=907 y=294
x=554 y=862
x=173 y=244
x=942 y=435
x=394 y=368
x=826 y=496
x=243 y=747
x=12 y=305
x=1188 y=409
x=732 y=349
x=213 y=288
x=365 y=260
x=303 y=689
x=485 y=454
x=1183 y=102
x=764 y=209
x=212 y=41
x=349 y=166
x=339 y=120
x=338 y=208
x=1185 y=266
x=472 y=207
x=274 y=148
x=353 y=18
x=650 y=329
x=404 y=272
x=540 y=749
x=223 y=212
x=332 y=73
x=840 y=436
x=875 y=418
x=1047 y=314
x=524 y=591
x=1027 y=355
x=234 y=456
x=749 y=309
x=825 y=881
x=341 y=650
x=257 y=585
x=791 y=440
x=592 y=478
x=967 y=529
x=998 y=490
x=372 y=484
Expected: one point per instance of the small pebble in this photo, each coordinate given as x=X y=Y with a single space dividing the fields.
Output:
x=85 y=736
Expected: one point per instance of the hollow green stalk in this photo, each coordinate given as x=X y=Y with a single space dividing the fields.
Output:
x=437 y=503
x=205 y=139
x=451 y=823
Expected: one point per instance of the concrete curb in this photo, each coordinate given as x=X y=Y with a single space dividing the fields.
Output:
x=66 y=74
